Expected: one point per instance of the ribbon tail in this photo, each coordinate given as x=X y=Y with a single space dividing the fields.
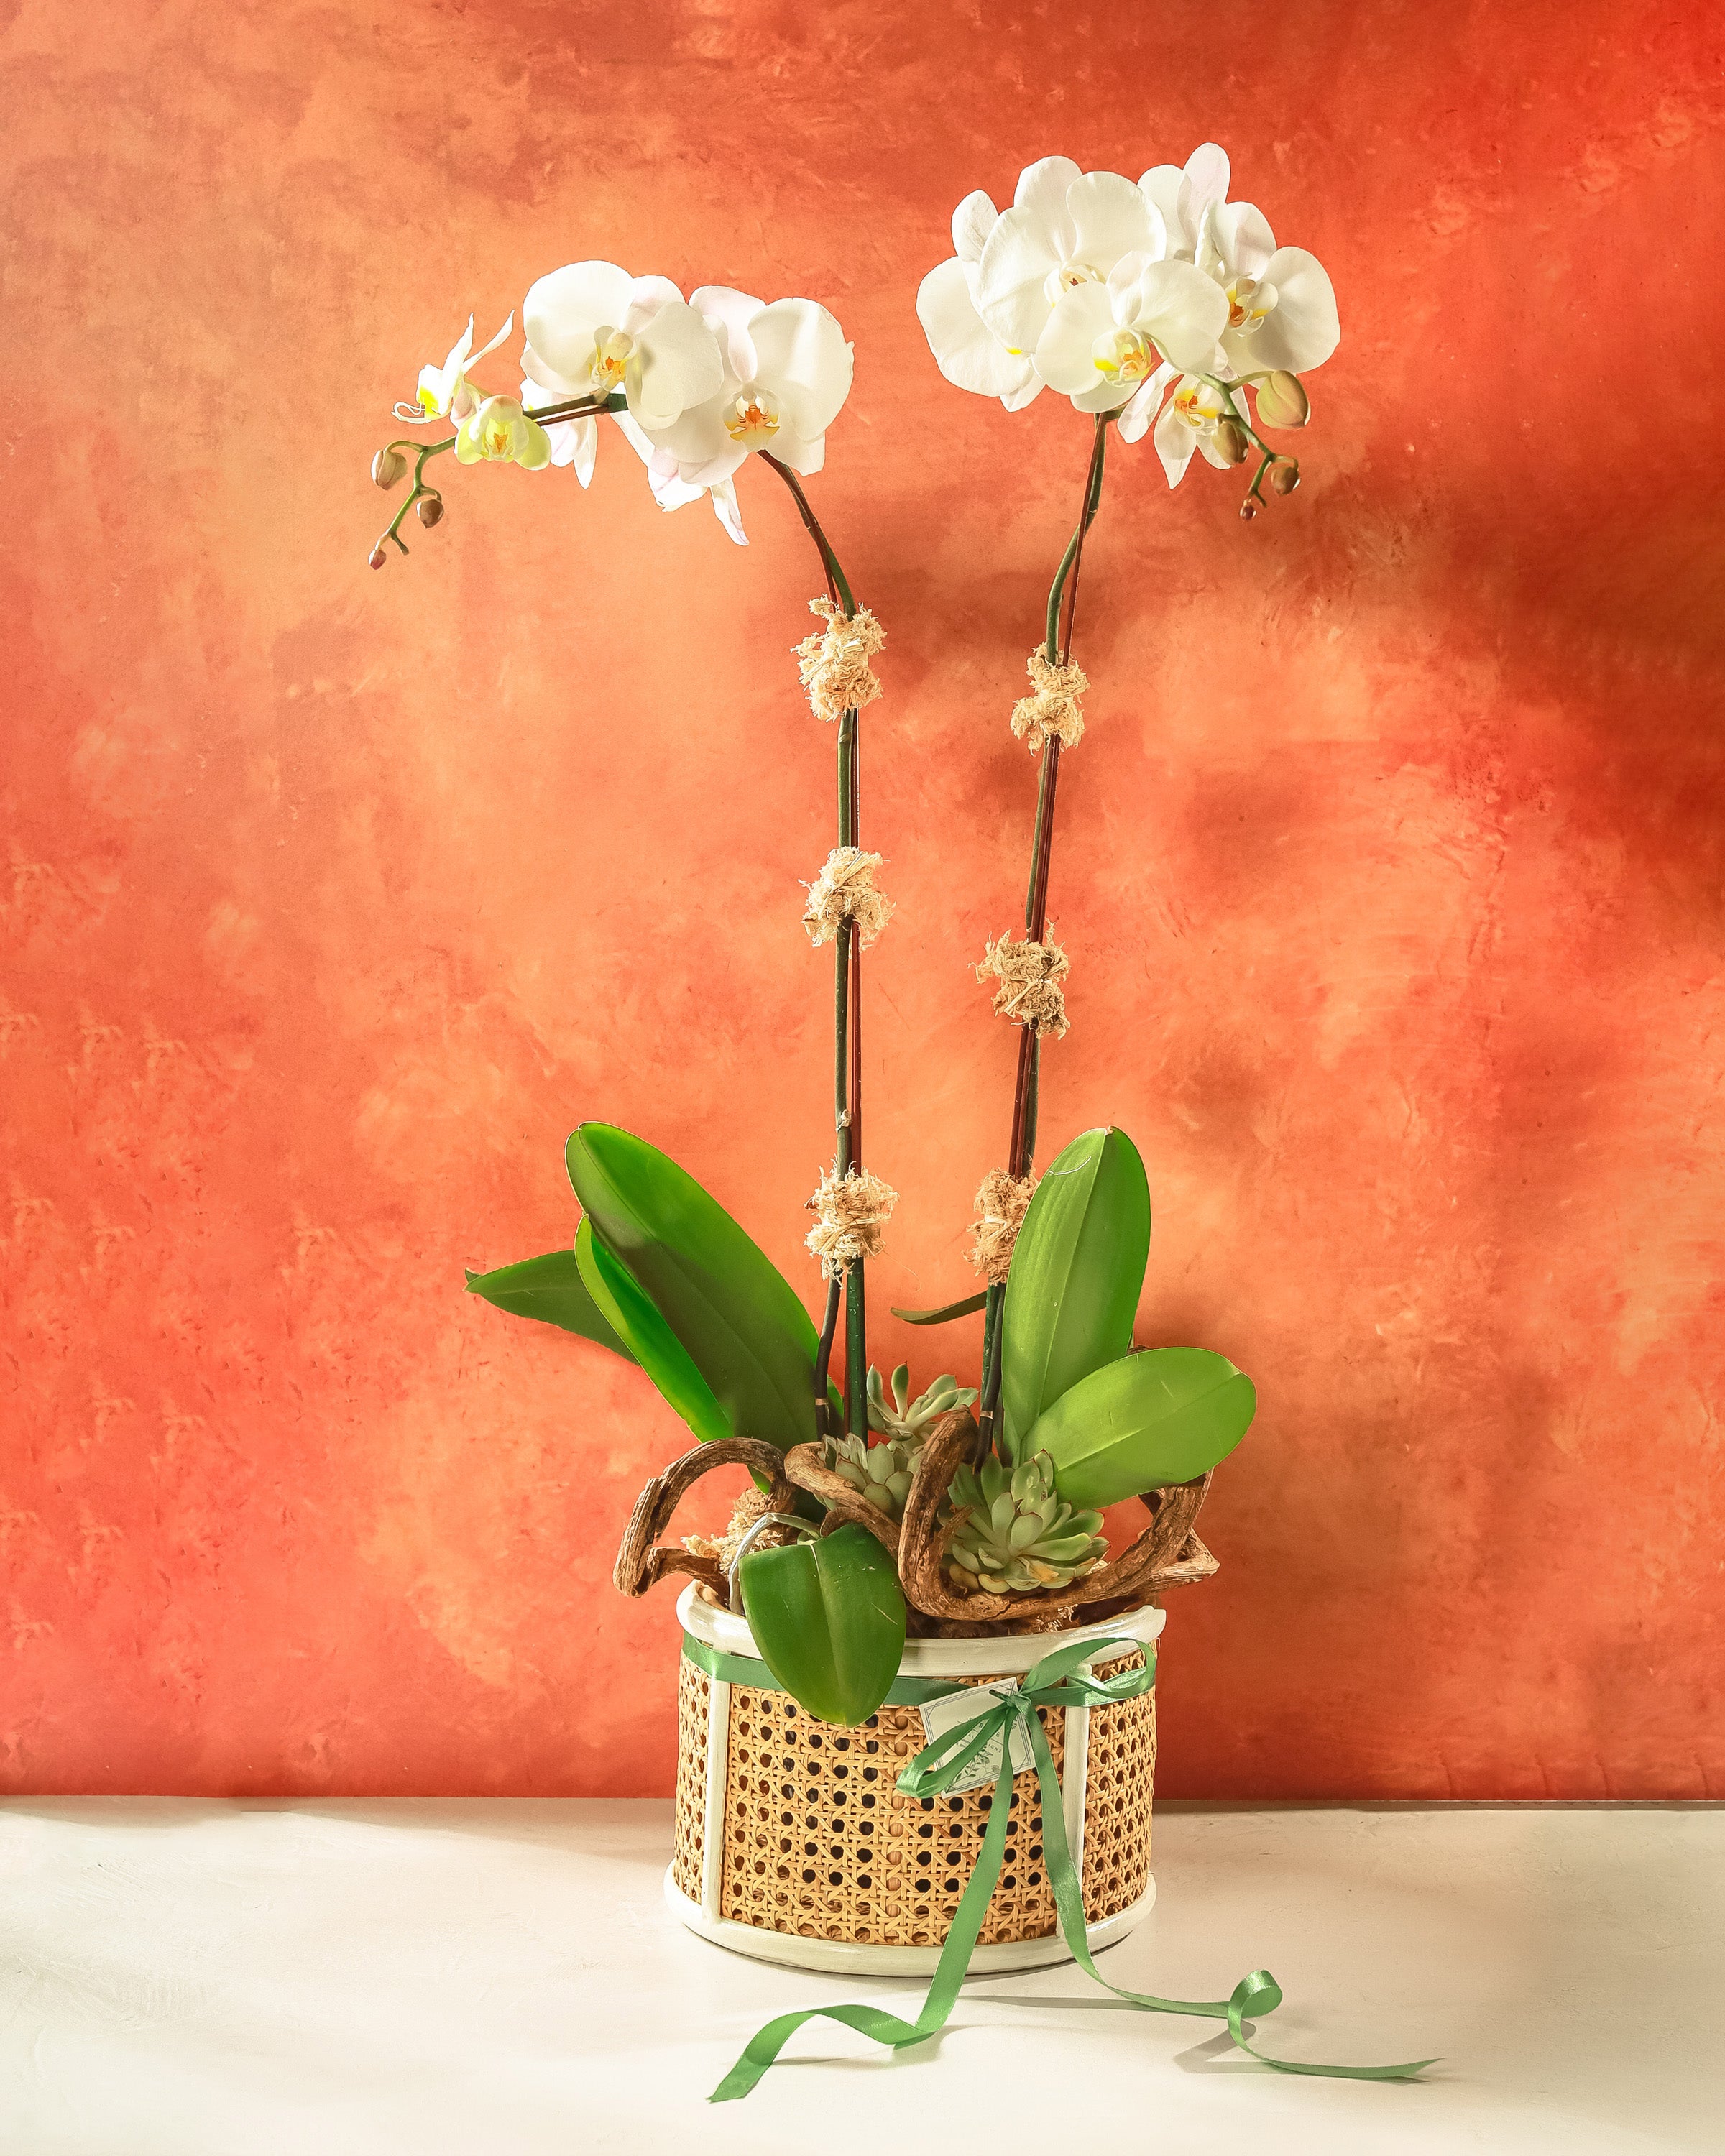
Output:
x=764 y=2046
x=1258 y=1994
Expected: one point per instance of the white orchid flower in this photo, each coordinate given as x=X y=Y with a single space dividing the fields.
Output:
x=1189 y=422
x=498 y=431
x=671 y=492
x=591 y=328
x=1066 y=229
x=1118 y=344
x=573 y=442
x=445 y=391
x=786 y=375
x=1281 y=307
x=966 y=350
x=1180 y=196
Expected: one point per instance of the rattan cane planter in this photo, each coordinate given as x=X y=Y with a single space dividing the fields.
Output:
x=794 y=1844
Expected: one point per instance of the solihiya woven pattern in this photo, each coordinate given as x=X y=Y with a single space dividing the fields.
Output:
x=692 y=1695
x=819 y=1842
x=1120 y=1766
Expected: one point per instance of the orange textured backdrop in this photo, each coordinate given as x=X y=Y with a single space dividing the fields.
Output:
x=1391 y=866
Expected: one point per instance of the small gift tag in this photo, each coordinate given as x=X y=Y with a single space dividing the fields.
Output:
x=940 y=1715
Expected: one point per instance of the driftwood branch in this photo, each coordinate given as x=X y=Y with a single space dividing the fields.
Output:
x=846 y=1504
x=923 y=1542
x=671 y=1557
x=1168 y=1553
x=640 y=1564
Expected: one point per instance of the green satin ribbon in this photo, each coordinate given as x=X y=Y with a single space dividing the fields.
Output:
x=744 y=1670
x=1057 y=1680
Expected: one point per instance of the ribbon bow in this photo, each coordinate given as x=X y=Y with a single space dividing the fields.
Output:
x=1058 y=1679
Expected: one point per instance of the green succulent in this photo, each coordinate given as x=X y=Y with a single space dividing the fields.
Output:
x=1019 y=1536
x=881 y=1473
x=907 y=1419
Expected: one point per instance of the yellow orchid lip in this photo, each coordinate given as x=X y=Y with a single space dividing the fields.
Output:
x=752 y=418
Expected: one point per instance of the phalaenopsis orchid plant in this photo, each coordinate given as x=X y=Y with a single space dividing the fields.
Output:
x=1159 y=307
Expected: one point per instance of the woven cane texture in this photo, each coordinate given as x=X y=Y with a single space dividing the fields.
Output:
x=1120 y=1769
x=819 y=1842
x=692 y=1696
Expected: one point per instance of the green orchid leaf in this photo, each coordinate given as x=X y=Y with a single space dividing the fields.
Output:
x=828 y=1618
x=629 y=1310
x=738 y=1317
x=1159 y=1417
x=550 y=1289
x=1077 y=1269
x=946 y=1312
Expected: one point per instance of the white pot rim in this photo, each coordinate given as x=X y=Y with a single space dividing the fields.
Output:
x=1003 y=1654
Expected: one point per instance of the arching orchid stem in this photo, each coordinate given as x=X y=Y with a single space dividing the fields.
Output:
x=1092 y=499
x=423 y=452
x=1237 y=413
x=847 y=1022
x=838 y=587
x=579 y=408
x=824 y=1359
x=1021 y=1152
x=856 y=1354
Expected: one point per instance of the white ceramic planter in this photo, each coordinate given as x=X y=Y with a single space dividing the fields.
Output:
x=708 y=1785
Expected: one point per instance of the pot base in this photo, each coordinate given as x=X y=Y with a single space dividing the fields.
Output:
x=793 y=1951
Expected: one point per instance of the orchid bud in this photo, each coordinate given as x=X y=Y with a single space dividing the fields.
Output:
x=1282 y=401
x=386 y=468
x=1229 y=441
x=430 y=508
x=378 y=557
x=1284 y=477
x=1249 y=509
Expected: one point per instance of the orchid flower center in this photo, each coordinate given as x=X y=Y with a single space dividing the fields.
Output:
x=1068 y=278
x=496 y=434
x=433 y=398
x=1124 y=356
x=1198 y=405
x=612 y=350
x=752 y=418
x=1248 y=303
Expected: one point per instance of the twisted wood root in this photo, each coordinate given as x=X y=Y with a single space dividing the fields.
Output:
x=846 y=1505
x=642 y=1561
x=1167 y=1554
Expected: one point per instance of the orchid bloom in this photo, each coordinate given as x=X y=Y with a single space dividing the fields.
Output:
x=592 y=329
x=1118 y=345
x=574 y=442
x=966 y=350
x=1189 y=421
x=1180 y=196
x=1281 y=308
x=1066 y=230
x=786 y=375
x=498 y=431
x=671 y=492
x=445 y=391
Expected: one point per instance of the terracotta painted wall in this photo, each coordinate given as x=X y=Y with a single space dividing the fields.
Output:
x=1391 y=867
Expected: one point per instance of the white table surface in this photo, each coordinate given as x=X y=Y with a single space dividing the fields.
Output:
x=474 y=1976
